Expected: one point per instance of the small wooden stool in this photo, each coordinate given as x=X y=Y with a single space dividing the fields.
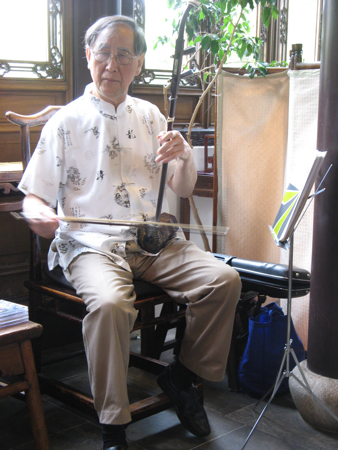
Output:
x=16 y=358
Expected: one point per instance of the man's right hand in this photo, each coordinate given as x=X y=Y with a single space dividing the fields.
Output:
x=41 y=218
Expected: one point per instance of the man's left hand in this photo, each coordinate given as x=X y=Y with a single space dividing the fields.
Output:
x=173 y=146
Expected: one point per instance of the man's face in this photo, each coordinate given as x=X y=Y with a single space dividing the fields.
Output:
x=111 y=79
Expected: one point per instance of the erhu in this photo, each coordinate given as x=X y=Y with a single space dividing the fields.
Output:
x=152 y=238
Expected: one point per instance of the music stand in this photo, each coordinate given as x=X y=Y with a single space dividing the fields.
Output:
x=288 y=217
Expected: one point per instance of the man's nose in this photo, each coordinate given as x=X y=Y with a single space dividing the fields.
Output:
x=112 y=64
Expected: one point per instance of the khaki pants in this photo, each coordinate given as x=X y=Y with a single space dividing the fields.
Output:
x=210 y=288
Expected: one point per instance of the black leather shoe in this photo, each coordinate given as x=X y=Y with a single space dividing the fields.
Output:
x=188 y=407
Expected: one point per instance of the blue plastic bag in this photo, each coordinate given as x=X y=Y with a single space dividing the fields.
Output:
x=264 y=351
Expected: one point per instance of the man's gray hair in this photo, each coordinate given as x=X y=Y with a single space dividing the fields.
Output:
x=112 y=22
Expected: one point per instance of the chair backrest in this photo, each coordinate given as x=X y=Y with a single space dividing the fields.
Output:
x=27 y=122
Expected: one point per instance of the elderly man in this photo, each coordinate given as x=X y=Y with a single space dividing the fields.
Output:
x=101 y=156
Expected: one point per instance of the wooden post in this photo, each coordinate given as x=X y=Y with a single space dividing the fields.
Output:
x=323 y=330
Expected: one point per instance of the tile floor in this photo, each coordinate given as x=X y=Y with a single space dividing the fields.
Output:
x=231 y=416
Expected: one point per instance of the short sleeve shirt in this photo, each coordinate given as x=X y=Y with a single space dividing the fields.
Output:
x=93 y=161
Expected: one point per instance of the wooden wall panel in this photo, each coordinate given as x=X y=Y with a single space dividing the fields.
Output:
x=28 y=102
x=10 y=149
x=14 y=257
x=185 y=105
x=22 y=102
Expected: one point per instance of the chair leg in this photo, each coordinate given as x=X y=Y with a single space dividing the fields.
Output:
x=33 y=397
x=180 y=332
x=147 y=334
x=153 y=339
x=35 y=300
x=162 y=331
x=232 y=367
x=147 y=342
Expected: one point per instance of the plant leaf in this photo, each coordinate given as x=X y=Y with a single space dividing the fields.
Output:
x=266 y=14
x=230 y=27
x=214 y=47
x=275 y=12
x=206 y=42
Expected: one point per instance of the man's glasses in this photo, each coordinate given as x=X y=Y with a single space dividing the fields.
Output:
x=121 y=57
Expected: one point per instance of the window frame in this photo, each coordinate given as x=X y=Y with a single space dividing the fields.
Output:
x=54 y=67
x=147 y=76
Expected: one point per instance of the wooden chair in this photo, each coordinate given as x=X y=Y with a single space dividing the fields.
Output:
x=53 y=296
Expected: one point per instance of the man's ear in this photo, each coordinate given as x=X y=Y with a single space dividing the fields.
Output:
x=140 y=60
x=88 y=55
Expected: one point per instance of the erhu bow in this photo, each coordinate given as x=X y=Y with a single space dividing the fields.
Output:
x=151 y=238
x=221 y=231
